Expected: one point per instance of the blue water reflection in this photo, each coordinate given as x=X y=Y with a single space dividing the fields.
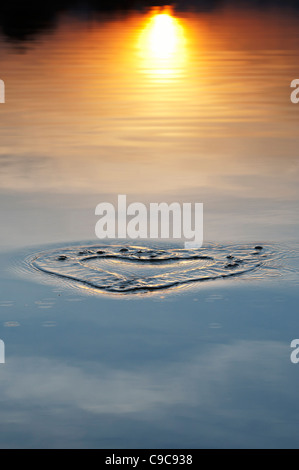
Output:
x=90 y=112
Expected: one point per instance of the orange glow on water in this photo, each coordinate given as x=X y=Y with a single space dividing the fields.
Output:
x=150 y=101
x=163 y=36
x=162 y=44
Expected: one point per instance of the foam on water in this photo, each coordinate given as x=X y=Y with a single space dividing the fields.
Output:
x=129 y=269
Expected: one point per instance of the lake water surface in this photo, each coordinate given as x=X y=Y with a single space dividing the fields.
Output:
x=168 y=105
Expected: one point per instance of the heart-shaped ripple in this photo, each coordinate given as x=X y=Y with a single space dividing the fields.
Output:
x=133 y=269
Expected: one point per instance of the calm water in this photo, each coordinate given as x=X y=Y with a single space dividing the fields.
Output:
x=97 y=107
x=161 y=105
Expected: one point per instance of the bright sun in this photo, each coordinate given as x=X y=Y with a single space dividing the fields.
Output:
x=161 y=44
x=163 y=36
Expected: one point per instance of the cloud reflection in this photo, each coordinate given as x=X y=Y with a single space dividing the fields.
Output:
x=219 y=384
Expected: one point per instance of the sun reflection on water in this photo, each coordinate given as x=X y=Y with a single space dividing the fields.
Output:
x=162 y=45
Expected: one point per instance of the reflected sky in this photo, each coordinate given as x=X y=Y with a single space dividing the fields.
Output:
x=124 y=374
x=162 y=105
x=90 y=94
x=195 y=105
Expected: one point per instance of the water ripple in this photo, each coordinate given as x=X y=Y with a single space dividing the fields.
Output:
x=127 y=269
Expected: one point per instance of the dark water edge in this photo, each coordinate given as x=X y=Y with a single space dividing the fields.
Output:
x=25 y=21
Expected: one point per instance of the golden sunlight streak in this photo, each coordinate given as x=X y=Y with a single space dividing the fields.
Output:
x=162 y=37
x=162 y=44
